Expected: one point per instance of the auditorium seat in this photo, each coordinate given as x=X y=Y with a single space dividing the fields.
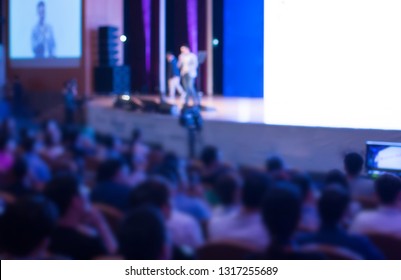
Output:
x=388 y=244
x=7 y=198
x=226 y=250
x=331 y=252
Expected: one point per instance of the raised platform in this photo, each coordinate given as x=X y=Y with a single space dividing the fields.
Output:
x=238 y=128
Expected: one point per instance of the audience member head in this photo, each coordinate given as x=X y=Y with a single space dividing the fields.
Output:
x=154 y=192
x=228 y=188
x=282 y=212
x=304 y=184
x=255 y=187
x=274 y=164
x=26 y=227
x=65 y=191
x=143 y=235
x=388 y=190
x=333 y=205
x=112 y=170
x=353 y=164
x=336 y=177
x=170 y=168
x=210 y=156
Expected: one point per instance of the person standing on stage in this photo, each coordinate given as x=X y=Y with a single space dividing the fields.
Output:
x=173 y=76
x=188 y=63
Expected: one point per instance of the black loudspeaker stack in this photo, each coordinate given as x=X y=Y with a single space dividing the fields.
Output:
x=109 y=77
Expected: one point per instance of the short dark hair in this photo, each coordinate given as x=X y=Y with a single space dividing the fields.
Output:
x=209 y=155
x=274 y=164
x=154 y=192
x=41 y=3
x=26 y=224
x=108 y=169
x=336 y=177
x=388 y=188
x=227 y=186
x=281 y=211
x=333 y=204
x=255 y=187
x=353 y=164
x=142 y=234
x=61 y=190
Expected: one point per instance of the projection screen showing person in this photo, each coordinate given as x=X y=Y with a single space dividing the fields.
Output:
x=45 y=33
x=333 y=63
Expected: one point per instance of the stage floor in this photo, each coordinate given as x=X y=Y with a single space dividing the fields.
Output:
x=242 y=110
x=238 y=128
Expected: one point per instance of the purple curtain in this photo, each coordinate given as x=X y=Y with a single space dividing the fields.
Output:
x=192 y=23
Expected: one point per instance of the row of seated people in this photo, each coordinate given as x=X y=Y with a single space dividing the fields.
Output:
x=161 y=207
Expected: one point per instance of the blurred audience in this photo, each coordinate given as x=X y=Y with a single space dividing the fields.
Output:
x=67 y=192
x=245 y=224
x=333 y=210
x=387 y=218
x=26 y=229
x=143 y=235
x=81 y=232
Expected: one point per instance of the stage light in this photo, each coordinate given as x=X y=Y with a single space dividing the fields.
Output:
x=123 y=38
x=126 y=97
x=215 y=42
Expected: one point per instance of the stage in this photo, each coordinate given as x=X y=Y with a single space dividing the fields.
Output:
x=239 y=128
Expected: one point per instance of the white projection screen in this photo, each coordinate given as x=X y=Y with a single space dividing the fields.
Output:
x=45 y=33
x=333 y=63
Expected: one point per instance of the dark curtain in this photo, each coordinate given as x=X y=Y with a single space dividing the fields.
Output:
x=135 y=47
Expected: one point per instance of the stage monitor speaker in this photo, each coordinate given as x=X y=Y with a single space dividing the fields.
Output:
x=112 y=79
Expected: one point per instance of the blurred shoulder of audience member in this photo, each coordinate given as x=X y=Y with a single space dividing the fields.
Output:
x=73 y=236
x=309 y=218
x=387 y=218
x=143 y=235
x=26 y=228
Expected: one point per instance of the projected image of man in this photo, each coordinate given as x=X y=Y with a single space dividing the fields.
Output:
x=43 y=43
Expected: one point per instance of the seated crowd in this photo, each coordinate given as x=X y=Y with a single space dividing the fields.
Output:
x=67 y=193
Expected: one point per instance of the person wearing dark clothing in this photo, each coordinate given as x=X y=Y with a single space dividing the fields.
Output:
x=75 y=244
x=81 y=233
x=18 y=97
x=333 y=206
x=173 y=76
x=281 y=212
x=110 y=188
x=70 y=104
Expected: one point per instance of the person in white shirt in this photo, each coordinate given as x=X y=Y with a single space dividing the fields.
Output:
x=387 y=218
x=245 y=225
x=183 y=229
x=188 y=64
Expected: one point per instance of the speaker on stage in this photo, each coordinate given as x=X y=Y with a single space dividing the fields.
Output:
x=108 y=76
